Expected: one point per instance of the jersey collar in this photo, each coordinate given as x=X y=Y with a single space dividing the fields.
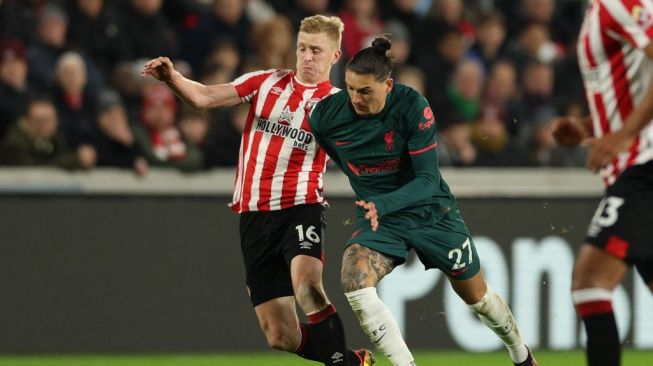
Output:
x=302 y=86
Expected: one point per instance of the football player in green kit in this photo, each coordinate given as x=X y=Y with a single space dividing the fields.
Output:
x=382 y=136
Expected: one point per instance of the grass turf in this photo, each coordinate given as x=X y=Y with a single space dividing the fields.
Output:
x=424 y=358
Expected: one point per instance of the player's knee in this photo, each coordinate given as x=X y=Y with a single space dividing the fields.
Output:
x=583 y=280
x=280 y=340
x=352 y=279
x=310 y=296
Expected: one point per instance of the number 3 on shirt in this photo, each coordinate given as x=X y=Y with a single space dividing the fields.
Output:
x=458 y=253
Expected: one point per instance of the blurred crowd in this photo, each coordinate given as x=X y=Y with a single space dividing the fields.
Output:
x=71 y=95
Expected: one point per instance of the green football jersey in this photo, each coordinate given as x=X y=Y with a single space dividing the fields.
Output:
x=390 y=158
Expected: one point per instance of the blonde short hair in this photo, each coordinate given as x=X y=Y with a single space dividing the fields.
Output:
x=332 y=26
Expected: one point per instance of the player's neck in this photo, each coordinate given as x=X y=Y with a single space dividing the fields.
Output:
x=311 y=82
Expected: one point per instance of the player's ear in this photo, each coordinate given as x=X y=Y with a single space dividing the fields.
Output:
x=336 y=57
x=388 y=85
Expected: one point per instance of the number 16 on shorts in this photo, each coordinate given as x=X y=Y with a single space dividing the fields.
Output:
x=308 y=237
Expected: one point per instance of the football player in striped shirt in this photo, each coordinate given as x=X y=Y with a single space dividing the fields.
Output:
x=278 y=191
x=615 y=55
x=382 y=136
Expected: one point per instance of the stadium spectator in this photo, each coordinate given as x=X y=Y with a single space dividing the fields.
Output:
x=50 y=43
x=619 y=133
x=402 y=11
x=491 y=138
x=500 y=92
x=449 y=50
x=13 y=83
x=401 y=42
x=362 y=24
x=490 y=44
x=534 y=44
x=75 y=100
x=35 y=141
x=18 y=18
x=226 y=19
x=150 y=33
x=402 y=202
x=222 y=63
x=444 y=16
x=296 y=10
x=97 y=29
x=223 y=140
x=158 y=137
x=194 y=125
x=535 y=104
x=411 y=76
x=562 y=17
x=455 y=147
x=462 y=99
x=273 y=42
x=111 y=36
x=116 y=145
x=281 y=224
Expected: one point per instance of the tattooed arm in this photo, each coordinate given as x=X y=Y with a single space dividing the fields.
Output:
x=363 y=267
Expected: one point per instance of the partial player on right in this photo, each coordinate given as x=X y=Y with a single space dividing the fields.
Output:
x=615 y=55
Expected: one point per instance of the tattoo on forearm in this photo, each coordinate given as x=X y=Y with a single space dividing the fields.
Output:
x=363 y=267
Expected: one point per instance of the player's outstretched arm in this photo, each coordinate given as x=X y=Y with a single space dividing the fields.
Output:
x=191 y=92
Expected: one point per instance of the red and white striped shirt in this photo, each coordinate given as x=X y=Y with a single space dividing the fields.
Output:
x=617 y=72
x=279 y=164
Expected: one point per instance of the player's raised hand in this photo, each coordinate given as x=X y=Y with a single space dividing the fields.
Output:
x=371 y=214
x=570 y=131
x=160 y=68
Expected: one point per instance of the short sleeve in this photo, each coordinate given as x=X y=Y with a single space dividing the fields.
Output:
x=632 y=20
x=248 y=85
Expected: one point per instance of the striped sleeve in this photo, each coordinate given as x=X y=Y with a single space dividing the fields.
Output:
x=633 y=20
x=247 y=85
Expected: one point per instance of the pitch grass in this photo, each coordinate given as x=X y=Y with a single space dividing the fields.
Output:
x=424 y=358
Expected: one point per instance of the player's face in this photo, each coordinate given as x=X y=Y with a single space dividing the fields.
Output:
x=316 y=53
x=367 y=94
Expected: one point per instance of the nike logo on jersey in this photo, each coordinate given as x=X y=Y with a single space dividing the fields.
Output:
x=343 y=143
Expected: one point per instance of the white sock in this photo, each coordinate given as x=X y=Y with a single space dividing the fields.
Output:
x=495 y=313
x=379 y=324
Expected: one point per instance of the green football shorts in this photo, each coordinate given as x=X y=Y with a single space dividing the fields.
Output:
x=443 y=242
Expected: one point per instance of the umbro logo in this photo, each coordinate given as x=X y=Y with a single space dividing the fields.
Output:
x=276 y=90
x=337 y=357
x=306 y=245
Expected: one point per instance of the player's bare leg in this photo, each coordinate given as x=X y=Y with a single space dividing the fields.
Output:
x=495 y=313
x=596 y=274
x=362 y=269
x=323 y=339
x=278 y=321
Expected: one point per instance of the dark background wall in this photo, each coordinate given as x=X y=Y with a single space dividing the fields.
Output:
x=125 y=273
